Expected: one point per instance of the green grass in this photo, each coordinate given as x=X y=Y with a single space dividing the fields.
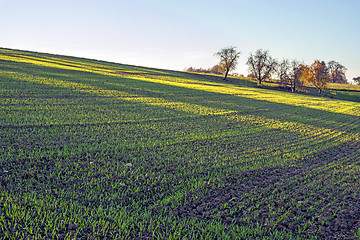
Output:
x=346 y=92
x=98 y=150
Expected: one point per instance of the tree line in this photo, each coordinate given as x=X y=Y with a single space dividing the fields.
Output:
x=289 y=73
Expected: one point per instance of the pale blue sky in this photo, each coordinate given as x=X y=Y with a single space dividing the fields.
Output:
x=177 y=34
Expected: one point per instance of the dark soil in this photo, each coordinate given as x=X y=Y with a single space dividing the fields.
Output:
x=335 y=214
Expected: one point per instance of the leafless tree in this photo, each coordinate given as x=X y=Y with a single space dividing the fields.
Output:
x=337 y=72
x=283 y=69
x=261 y=65
x=228 y=59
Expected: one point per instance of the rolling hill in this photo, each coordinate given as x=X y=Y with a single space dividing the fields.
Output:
x=94 y=150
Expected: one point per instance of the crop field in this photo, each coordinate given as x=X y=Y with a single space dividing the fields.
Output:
x=98 y=150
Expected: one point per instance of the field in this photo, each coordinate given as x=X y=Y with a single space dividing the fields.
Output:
x=98 y=150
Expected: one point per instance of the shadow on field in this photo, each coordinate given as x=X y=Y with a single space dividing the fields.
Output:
x=278 y=111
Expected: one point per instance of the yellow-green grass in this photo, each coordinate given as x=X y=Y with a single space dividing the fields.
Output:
x=338 y=86
x=92 y=149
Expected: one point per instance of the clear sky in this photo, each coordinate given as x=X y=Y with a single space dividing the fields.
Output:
x=174 y=34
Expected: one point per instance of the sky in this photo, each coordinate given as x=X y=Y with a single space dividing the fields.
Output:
x=175 y=34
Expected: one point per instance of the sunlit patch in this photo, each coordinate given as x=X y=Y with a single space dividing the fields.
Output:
x=246 y=92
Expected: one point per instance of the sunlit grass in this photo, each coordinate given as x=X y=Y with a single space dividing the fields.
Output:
x=100 y=150
x=223 y=88
x=269 y=95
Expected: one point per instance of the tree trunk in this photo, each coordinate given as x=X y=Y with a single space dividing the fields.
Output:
x=226 y=73
x=293 y=88
x=259 y=78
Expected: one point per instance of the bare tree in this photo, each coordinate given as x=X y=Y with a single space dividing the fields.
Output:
x=337 y=72
x=261 y=65
x=228 y=59
x=283 y=69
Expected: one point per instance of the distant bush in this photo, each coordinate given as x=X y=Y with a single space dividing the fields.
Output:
x=215 y=69
x=357 y=80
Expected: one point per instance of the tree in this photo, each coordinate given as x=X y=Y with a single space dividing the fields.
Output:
x=306 y=73
x=337 y=72
x=283 y=72
x=290 y=73
x=189 y=69
x=295 y=75
x=261 y=65
x=357 y=80
x=228 y=59
x=319 y=75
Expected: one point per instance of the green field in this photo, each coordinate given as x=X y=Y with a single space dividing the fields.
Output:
x=98 y=150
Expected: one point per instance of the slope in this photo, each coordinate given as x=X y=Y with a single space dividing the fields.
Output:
x=92 y=149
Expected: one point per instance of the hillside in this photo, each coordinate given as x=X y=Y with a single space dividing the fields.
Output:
x=92 y=149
